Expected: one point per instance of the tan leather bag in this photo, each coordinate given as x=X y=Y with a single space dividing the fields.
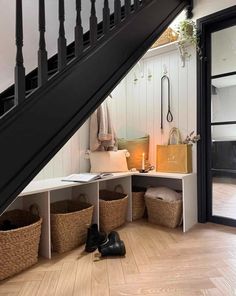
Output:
x=174 y=158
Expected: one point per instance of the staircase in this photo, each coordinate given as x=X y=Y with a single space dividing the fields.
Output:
x=42 y=110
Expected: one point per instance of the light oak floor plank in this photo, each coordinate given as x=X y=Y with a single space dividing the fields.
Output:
x=30 y=289
x=159 y=261
x=100 y=281
x=66 y=280
x=83 y=279
x=49 y=283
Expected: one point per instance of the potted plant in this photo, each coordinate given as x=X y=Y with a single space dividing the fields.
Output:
x=187 y=31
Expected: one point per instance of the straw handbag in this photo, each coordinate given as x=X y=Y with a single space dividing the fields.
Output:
x=174 y=157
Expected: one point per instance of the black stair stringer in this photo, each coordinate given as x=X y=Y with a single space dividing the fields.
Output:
x=33 y=132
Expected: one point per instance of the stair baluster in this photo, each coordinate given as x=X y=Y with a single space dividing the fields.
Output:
x=78 y=30
x=42 y=53
x=19 y=68
x=106 y=17
x=61 y=39
x=189 y=10
x=136 y=4
x=117 y=14
x=93 y=24
x=127 y=7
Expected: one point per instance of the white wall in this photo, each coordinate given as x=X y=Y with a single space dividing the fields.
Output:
x=70 y=159
x=205 y=7
x=136 y=106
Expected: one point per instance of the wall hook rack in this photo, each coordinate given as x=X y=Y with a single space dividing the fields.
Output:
x=149 y=75
x=141 y=68
x=165 y=69
x=135 y=78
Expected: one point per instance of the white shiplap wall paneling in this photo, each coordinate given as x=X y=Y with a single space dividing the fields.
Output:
x=149 y=75
x=117 y=107
x=143 y=99
x=71 y=158
x=83 y=142
x=192 y=99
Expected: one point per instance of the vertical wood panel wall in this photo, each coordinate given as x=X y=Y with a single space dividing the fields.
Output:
x=70 y=159
x=136 y=104
x=135 y=109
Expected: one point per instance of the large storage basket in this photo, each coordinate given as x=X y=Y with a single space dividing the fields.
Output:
x=19 y=247
x=138 y=203
x=113 y=207
x=164 y=213
x=69 y=223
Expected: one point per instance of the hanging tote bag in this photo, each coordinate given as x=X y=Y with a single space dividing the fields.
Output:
x=174 y=157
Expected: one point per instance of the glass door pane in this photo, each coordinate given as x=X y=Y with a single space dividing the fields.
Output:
x=224 y=196
x=223 y=99
x=223 y=53
x=223 y=123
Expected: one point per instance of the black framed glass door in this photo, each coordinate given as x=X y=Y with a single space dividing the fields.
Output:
x=217 y=119
x=222 y=171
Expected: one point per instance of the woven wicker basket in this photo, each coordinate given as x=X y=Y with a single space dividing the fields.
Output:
x=19 y=247
x=112 y=209
x=69 y=222
x=138 y=203
x=164 y=213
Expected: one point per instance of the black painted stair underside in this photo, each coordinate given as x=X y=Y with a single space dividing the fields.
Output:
x=32 y=132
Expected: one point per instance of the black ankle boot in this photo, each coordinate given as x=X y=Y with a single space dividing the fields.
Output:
x=95 y=238
x=114 y=247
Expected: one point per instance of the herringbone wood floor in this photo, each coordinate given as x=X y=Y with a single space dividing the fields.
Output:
x=159 y=261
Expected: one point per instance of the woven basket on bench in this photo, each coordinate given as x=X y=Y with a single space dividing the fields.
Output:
x=69 y=223
x=163 y=212
x=113 y=207
x=19 y=247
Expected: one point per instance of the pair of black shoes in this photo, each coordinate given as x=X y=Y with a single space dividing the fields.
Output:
x=110 y=245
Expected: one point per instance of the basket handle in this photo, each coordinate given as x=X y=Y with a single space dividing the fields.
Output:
x=34 y=209
x=82 y=197
x=119 y=187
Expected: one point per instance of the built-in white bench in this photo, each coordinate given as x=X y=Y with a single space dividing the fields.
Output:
x=47 y=191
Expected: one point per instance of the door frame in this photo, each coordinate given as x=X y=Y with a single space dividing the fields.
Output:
x=206 y=26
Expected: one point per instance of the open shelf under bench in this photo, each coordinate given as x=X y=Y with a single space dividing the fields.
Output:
x=47 y=191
